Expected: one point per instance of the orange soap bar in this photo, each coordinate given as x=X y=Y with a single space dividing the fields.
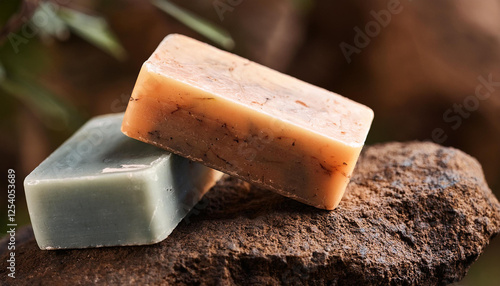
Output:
x=248 y=121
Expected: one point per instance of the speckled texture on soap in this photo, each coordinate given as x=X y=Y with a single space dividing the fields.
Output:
x=413 y=214
x=247 y=120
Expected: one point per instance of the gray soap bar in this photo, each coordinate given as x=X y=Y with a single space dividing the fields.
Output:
x=101 y=188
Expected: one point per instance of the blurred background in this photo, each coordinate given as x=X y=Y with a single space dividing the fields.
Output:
x=429 y=69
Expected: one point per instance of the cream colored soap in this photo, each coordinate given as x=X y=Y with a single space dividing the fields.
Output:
x=247 y=120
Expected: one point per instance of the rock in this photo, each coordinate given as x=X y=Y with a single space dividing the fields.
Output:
x=414 y=213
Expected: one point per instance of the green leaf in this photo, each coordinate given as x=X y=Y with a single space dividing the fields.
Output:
x=93 y=29
x=213 y=32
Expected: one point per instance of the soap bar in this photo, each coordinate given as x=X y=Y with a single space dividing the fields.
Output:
x=101 y=188
x=247 y=120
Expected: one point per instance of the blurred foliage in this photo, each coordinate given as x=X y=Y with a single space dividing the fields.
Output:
x=213 y=32
x=93 y=29
x=27 y=28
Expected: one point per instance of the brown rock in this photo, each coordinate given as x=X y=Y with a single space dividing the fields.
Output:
x=414 y=213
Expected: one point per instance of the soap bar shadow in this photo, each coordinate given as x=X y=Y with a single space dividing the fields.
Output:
x=231 y=198
x=134 y=149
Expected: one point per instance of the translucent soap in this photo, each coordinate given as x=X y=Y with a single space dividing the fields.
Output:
x=101 y=188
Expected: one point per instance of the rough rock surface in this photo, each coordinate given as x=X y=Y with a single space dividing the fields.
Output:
x=414 y=213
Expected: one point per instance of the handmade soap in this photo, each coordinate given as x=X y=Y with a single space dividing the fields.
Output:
x=101 y=188
x=247 y=120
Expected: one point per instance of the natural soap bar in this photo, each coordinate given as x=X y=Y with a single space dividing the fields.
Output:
x=247 y=120
x=101 y=188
